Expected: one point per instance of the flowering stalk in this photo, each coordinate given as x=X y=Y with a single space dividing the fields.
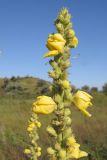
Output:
x=65 y=146
x=59 y=44
x=34 y=151
x=42 y=105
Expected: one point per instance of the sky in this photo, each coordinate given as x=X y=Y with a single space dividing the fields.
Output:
x=26 y=24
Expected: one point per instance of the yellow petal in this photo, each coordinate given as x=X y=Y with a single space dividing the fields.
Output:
x=58 y=37
x=86 y=113
x=51 y=48
x=57 y=45
x=84 y=95
x=83 y=154
x=51 y=53
x=71 y=140
x=80 y=103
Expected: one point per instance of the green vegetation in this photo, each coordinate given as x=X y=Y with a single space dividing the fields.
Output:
x=16 y=97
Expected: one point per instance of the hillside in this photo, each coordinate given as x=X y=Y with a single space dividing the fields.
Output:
x=16 y=97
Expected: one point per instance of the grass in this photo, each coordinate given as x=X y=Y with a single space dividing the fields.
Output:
x=15 y=110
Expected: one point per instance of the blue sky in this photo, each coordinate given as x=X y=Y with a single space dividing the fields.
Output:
x=24 y=28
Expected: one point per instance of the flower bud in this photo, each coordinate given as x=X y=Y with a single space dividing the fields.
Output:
x=59 y=27
x=29 y=129
x=67 y=112
x=39 y=148
x=53 y=64
x=58 y=98
x=67 y=133
x=65 y=84
x=57 y=146
x=62 y=154
x=51 y=131
x=50 y=150
x=68 y=120
x=27 y=151
x=38 y=154
x=71 y=33
x=53 y=74
x=74 y=42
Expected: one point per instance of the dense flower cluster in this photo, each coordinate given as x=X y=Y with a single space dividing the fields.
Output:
x=55 y=44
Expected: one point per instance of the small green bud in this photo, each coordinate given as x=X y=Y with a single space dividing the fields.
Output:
x=59 y=27
x=53 y=74
x=51 y=131
x=60 y=137
x=67 y=133
x=61 y=18
x=65 y=84
x=68 y=94
x=57 y=146
x=58 y=98
x=67 y=20
x=53 y=64
x=65 y=64
x=68 y=120
x=67 y=112
x=64 y=12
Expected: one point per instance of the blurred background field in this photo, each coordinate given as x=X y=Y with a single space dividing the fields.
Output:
x=16 y=97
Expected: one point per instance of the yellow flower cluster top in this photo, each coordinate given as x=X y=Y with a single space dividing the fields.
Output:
x=44 y=105
x=82 y=101
x=55 y=44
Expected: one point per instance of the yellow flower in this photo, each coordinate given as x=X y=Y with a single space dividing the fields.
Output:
x=82 y=101
x=51 y=53
x=74 y=152
x=55 y=44
x=71 y=140
x=74 y=42
x=44 y=105
x=27 y=151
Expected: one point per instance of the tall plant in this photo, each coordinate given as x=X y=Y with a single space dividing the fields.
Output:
x=65 y=146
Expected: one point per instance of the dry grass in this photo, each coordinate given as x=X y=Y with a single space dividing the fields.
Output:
x=15 y=111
